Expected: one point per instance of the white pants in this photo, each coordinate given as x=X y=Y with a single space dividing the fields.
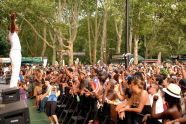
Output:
x=15 y=57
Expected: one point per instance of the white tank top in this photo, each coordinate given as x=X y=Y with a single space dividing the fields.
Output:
x=14 y=41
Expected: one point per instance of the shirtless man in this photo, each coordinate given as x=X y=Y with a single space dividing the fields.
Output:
x=15 y=51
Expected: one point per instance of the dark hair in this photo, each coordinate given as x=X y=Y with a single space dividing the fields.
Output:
x=23 y=72
x=70 y=69
x=96 y=71
x=47 y=79
x=48 y=72
x=42 y=81
x=164 y=76
x=109 y=76
x=116 y=77
x=130 y=79
x=159 y=78
x=138 y=75
x=173 y=101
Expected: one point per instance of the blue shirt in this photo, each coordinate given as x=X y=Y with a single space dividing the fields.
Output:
x=52 y=97
x=21 y=77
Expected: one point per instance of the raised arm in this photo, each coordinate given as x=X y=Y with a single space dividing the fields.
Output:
x=163 y=114
x=12 y=25
x=68 y=73
x=183 y=72
x=154 y=107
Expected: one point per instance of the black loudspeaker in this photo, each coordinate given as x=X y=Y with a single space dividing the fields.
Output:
x=14 y=113
x=10 y=95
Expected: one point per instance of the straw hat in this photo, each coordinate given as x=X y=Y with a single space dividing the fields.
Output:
x=173 y=90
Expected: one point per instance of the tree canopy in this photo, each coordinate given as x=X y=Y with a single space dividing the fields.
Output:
x=95 y=27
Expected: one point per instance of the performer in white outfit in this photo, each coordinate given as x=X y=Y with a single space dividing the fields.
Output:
x=15 y=51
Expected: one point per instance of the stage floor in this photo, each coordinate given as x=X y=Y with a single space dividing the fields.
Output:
x=35 y=117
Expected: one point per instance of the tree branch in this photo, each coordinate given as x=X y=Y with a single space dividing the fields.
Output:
x=29 y=48
x=52 y=26
x=61 y=42
x=51 y=37
x=35 y=31
x=116 y=25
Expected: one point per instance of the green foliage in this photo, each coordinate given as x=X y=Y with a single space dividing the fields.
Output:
x=4 y=46
x=160 y=25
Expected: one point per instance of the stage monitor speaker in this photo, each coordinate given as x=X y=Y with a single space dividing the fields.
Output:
x=14 y=113
x=10 y=95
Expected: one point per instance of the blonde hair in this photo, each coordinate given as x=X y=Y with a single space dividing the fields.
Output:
x=139 y=83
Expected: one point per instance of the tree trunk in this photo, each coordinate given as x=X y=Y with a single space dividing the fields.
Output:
x=136 y=40
x=130 y=39
x=146 y=53
x=35 y=46
x=73 y=31
x=61 y=58
x=70 y=54
x=44 y=44
x=95 y=48
x=104 y=38
x=159 y=58
x=94 y=55
x=89 y=40
x=118 y=47
x=53 y=56
x=146 y=48
x=119 y=30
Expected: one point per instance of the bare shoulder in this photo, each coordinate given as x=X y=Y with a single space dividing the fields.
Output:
x=144 y=93
x=173 y=112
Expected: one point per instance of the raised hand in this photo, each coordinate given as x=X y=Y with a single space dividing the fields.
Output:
x=155 y=98
x=13 y=16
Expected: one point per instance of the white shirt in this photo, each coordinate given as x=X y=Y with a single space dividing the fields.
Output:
x=14 y=41
x=159 y=103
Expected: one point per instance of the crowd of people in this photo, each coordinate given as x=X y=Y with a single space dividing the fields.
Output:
x=143 y=93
